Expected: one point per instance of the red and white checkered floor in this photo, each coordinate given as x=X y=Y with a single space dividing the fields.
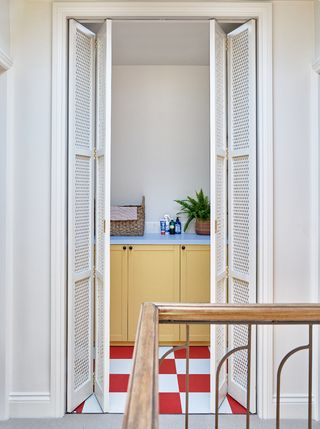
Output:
x=171 y=383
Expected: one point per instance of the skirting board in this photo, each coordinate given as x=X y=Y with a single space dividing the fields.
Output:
x=30 y=405
x=39 y=405
x=293 y=406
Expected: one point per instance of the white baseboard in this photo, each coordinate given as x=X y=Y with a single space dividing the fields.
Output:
x=292 y=406
x=31 y=405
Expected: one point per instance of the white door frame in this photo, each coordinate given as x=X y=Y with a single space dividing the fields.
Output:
x=201 y=10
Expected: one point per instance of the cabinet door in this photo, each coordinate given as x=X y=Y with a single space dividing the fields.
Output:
x=195 y=285
x=119 y=293
x=153 y=277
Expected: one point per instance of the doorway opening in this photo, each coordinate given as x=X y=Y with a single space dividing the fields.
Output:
x=197 y=114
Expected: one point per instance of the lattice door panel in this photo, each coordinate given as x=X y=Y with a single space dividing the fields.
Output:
x=81 y=136
x=241 y=196
x=218 y=107
x=103 y=132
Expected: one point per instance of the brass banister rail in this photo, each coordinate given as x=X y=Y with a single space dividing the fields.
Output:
x=142 y=408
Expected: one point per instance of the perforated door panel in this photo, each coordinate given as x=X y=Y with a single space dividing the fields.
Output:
x=242 y=197
x=80 y=214
x=218 y=126
x=103 y=133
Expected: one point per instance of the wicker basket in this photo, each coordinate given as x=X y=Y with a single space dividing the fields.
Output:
x=130 y=227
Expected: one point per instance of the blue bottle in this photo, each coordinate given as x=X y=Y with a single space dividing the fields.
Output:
x=178 y=226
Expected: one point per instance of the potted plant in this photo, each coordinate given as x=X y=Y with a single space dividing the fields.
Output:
x=197 y=208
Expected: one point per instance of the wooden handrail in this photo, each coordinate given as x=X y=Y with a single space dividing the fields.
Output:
x=142 y=406
x=239 y=313
x=142 y=401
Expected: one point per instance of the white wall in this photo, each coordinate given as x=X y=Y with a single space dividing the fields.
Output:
x=293 y=54
x=160 y=135
x=317 y=27
x=4 y=26
x=32 y=119
x=4 y=50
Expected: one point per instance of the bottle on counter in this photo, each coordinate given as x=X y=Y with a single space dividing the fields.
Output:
x=172 y=227
x=162 y=226
x=178 y=226
x=167 y=218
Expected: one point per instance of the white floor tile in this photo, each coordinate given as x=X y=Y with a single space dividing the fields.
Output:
x=168 y=383
x=199 y=403
x=120 y=366
x=91 y=406
x=196 y=366
x=163 y=350
x=225 y=407
x=117 y=402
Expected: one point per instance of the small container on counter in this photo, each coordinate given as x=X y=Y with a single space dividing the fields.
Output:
x=167 y=219
x=172 y=227
x=178 y=226
x=162 y=226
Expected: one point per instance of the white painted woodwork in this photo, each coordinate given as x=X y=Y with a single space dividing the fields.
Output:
x=95 y=10
x=242 y=141
x=218 y=151
x=81 y=137
x=102 y=197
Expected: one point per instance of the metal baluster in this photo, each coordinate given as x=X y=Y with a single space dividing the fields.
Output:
x=248 y=376
x=225 y=357
x=310 y=379
x=187 y=375
x=284 y=360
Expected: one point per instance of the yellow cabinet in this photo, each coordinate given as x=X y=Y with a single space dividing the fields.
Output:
x=153 y=275
x=195 y=285
x=118 y=293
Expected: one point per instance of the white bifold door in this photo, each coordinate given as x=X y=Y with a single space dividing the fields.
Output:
x=89 y=131
x=233 y=195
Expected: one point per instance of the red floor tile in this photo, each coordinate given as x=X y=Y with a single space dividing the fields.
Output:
x=79 y=409
x=167 y=366
x=169 y=403
x=235 y=406
x=121 y=352
x=195 y=353
x=119 y=382
x=197 y=382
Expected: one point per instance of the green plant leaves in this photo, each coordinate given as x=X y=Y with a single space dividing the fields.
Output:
x=195 y=208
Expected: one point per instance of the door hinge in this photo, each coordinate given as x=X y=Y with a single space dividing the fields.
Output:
x=216 y=226
x=94 y=153
x=104 y=226
x=94 y=272
x=227 y=271
x=227 y=153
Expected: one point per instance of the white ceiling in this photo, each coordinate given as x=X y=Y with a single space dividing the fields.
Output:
x=160 y=43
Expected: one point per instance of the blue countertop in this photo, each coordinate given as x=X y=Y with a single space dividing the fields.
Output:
x=153 y=238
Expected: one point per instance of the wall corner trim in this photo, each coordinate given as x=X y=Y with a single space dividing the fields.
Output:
x=5 y=61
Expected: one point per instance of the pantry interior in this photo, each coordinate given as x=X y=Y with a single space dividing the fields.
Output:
x=160 y=148
x=168 y=104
